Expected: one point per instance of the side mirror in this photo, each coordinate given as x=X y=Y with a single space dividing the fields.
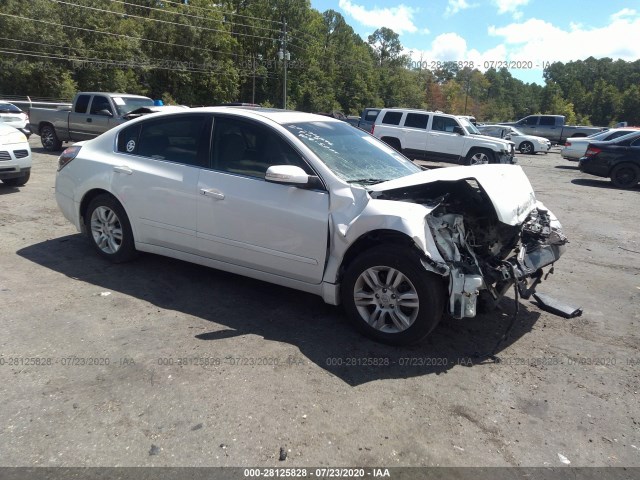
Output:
x=104 y=113
x=458 y=130
x=288 y=175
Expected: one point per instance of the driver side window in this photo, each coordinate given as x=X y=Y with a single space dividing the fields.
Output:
x=247 y=148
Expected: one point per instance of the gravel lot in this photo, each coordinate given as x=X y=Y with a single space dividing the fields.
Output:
x=163 y=363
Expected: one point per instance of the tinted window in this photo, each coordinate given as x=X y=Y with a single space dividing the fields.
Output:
x=82 y=103
x=443 y=124
x=128 y=139
x=636 y=142
x=392 y=118
x=100 y=103
x=548 y=121
x=530 y=121
x=182 y=139
x=416 y=120
x=247 y=148
x=371 y=115
x=9 y=108
x=616 y=135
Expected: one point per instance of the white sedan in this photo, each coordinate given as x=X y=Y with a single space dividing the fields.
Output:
x=15 y=157
x=575 y=148
x=310 y=203
x=525 y=144
x=14 y=117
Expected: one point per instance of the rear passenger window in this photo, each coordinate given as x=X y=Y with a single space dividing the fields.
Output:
x=416 y=120
x=392 y=118
x=548 y=121
x=82 y=103
x=443 y=124
x=181 y=139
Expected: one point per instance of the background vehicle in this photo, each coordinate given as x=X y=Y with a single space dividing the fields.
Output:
x=575 y=148
x=617 y=159
x=439 y=136
x=14 y=117
x=525 y=144
x=552 y=127
x=15 y=156
x=368 y=118
x=91 y=114
x=310 y=203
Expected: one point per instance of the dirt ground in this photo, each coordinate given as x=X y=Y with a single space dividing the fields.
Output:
x=162 y=363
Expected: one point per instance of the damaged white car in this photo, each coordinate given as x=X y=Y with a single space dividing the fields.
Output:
x=313 y=204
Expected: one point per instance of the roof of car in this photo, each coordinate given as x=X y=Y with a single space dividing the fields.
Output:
x=274 y=114
x=113 y=94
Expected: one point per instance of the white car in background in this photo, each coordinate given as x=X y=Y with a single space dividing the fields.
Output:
x=525 y=144
x=575 y=148
x=14 y=117
x=311 y=203
x=15 y=157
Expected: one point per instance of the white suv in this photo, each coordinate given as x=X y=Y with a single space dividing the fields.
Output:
x=419 y=134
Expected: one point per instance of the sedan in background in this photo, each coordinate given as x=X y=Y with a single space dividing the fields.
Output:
x=14 y=117
x=575 y=148
x=15 y=157
x=617 y=159
x=525 y=144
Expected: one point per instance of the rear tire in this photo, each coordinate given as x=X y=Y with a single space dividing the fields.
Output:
x=109 y=230
x=625 y=175
x=49 y=139
x=390 y=297
x=479 y=157
x=17 y=182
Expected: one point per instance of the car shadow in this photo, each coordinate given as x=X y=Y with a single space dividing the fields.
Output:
x=42 y=151
x=6 y=189
x=567 y=167
x=244 y=306
x=590 y=182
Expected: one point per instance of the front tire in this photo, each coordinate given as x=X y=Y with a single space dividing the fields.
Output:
x=625 y=175
x=109 y=230
x=19 y=181
x=526 y=148
x=390 y=297
x=479 y=157
x=49 y=139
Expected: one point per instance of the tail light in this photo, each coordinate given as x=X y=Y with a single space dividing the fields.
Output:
x=69 y=154
x=373 y=126
x=567 y=144
x=591 y=151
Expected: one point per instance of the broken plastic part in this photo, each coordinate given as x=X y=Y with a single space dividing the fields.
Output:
x=551 y=305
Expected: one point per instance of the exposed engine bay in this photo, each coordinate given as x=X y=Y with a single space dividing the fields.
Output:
x=482 y=254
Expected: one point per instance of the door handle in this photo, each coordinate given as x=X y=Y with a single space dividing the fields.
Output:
x=123 y=169
x=89 y=120
x=212 y=193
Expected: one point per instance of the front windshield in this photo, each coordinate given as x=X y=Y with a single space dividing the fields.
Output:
x=470 y=127
x=128 y=104
x=352 y=154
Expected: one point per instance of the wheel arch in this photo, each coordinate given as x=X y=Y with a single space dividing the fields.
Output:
x=86 y=200
x=393 y=142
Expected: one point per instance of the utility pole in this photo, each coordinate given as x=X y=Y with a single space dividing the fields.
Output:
x=283 y=54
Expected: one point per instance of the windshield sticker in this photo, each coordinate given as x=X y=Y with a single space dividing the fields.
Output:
x=131 y=146
x=118 y=101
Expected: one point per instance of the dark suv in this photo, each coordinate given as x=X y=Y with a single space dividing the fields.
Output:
x=368 y=118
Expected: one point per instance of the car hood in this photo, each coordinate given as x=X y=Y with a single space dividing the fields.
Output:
x=533 y=138
x=495 y=140
x=507 y=187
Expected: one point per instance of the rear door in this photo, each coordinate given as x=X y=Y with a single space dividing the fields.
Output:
x=78 y=119
x=414 y=139
x=246 y=221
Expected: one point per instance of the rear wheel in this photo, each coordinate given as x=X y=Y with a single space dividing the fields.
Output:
x=109 y=230
x=479 y=157
x=389 y=297
x=625 y=175
x=19 y=181
x=526 y=148
x=49 y=139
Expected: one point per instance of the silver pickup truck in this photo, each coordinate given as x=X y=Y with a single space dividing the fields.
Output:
x=552 y=127
x=91 y=114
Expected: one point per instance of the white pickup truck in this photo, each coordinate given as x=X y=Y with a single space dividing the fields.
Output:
x=420 y=134
x=91 y=114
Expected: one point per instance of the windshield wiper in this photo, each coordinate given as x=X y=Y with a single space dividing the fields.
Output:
x=367 y=181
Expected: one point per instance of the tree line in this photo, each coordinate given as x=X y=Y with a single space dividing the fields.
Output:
x=204 y=53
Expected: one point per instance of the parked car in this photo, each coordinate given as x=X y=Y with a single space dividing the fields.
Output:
x=309 y=202
x=15 y=156
x=368 y=118
x=14 y=117
x=525 y=144
x=552 y=127
x=617 y=159
x=438 y=136
x=575 y=148
x=352 y=120
x=91 y=114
